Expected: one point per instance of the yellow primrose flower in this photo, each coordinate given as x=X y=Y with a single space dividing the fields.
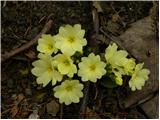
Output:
x=129 y=65
x=114 y=57
x=119 y=62
x=46 y=44
x=91 y=68
x=118 y=79
x=65 y=64
x=69 y=91
x=45 y=71
x=139 y=77
x=70 y=39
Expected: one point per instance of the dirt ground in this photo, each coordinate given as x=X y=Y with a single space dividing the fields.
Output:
x=21 y=96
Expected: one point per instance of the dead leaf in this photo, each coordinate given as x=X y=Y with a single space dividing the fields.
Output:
x=20 y=97
x=91 y=114
x=139 y=40
x=53 y=108
x=151 y=107
x=34 y=115
x=115 y=17
x=14 y=111
x=97 y=5
x=40 y=95
x=24 y=114
x=31 y=55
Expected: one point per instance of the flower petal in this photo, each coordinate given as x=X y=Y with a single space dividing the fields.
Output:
x=69 y=91
x=44 y=78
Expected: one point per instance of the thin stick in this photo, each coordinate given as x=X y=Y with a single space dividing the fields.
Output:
x=6 y=111
x=61 y=111
x=8 y=55
x=84 y=101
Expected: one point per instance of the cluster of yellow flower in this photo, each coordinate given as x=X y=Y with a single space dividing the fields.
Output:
x=121 y=65
x=56 y=61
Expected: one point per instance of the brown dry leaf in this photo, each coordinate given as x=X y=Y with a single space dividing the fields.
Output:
x=91 y=114
x=115 y=17
x=14 y=111
x=140 y=41
x=97 y=5
x=20 y=97
x=39 y=96
x=151 y=107
x=31 y=55
x=53 y=108
x=24 y=114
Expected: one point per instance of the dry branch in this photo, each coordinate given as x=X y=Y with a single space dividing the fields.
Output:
x=10 y=54
x=84 y=101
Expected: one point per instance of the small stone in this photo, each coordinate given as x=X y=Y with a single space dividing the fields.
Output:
x=53 y=108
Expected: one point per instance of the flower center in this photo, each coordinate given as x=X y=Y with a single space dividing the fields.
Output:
x=71 y=39
x=92 y=68
x=69 y=88
x=49 y=69
x=66 y=62
x=50 y=47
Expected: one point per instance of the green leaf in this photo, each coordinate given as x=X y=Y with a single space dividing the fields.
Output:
x=108 y=83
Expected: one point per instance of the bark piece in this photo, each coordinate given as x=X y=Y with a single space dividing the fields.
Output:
x=140 y=41
x=151 y=108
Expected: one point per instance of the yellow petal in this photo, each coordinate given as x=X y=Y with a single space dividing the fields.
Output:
x=74 y=98
x=37 y=71
x=63 y=32
x=63 y=69
x=56 y=76
x=69 y=91
x=44 y=78
x=40 y=63
x=139 y=77
x=42 y=48
x=91 y=68
x=110 y=51
x=119 y=80
x=66 y=49
x=77 y=27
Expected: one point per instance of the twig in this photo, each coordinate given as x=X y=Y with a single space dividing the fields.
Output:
x=61 y=111
x=143 y=96
x=84 y=102
x=8 y=55
x=96 y=93
x=146 y=99
x=4 y=4
x=6 y=111
x=112 y=38
x=115 y=40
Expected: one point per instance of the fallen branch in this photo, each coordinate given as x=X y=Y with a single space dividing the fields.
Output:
x=10 y=54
